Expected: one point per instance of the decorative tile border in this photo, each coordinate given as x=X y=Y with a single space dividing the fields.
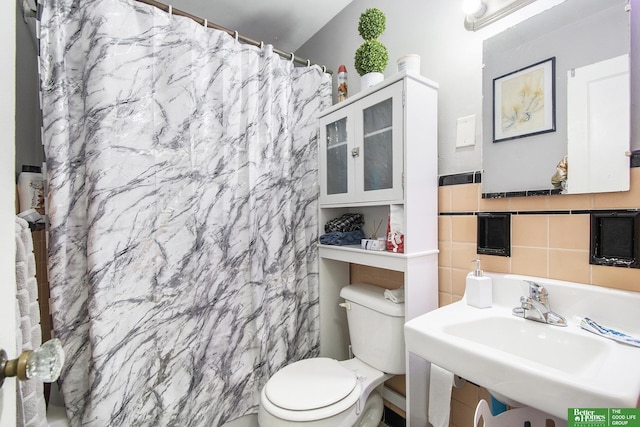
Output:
x=558 y=212
x=476 y=178
x=460 y=178
x=527 y=193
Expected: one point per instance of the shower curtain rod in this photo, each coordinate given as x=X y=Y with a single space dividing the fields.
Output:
x=242 y=38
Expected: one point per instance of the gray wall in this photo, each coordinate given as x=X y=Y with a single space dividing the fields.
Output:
x=635 y=74
x=432 y=29
x=450 y=55
x=575 y=41
x=28 y=119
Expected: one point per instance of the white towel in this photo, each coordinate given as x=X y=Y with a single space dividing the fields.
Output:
x=31 y=409
x=440 y=384
x=394 y=295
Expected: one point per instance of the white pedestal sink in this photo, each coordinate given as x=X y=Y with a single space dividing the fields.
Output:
x=546 y=367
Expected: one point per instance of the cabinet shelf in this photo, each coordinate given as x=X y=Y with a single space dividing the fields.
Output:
x=378 y=132
x=382 y=259
x=337 y=144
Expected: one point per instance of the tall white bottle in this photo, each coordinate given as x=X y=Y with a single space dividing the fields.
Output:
x=31 y=189
x=479 y=290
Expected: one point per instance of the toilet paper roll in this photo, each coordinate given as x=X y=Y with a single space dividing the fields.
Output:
x=440 y=384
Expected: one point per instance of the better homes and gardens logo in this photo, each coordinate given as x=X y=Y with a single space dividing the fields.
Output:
x=603 y=417
x=595 y=417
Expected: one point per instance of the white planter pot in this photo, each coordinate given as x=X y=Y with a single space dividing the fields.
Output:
x=370 y=79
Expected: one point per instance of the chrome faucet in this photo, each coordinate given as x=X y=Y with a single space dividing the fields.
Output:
x=536 y=307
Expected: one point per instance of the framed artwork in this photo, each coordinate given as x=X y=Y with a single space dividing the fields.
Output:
x=524 y=102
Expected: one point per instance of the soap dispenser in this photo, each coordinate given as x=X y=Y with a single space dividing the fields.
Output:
x=478 y=291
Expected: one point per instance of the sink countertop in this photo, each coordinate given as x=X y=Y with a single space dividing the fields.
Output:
x=547 y=367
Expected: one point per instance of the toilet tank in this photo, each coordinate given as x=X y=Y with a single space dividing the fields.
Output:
x=375 y=327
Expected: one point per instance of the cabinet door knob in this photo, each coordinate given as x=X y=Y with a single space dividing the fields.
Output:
x=355 y=152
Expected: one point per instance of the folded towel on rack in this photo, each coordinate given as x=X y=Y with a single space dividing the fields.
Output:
x=338 y=238
x=394 y=295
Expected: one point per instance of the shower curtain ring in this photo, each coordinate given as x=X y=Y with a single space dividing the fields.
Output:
x=206 y=23
x=308 y=63
x=261 y=45
x=235 y=35
x=170 y=11
x=324 y=69
x=292 y=56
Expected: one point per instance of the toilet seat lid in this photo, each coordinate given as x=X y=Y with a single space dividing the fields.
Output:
x=310 y=384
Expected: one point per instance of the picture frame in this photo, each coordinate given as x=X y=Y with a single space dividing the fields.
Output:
x=524 y=101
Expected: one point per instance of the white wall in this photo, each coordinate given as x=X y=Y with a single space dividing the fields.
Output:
x=7 y=209
x=451 y=56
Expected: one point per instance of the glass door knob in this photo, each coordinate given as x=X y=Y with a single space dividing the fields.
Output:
x=45 y=363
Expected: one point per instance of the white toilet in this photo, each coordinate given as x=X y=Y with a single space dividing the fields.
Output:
x=323 y=392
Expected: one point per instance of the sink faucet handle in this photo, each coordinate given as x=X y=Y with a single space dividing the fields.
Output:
x=537 y=292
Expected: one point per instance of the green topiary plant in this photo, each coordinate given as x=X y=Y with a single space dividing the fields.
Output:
x=372 y=24
x=371 y=57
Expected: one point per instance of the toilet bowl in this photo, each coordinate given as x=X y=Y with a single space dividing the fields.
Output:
x=323 y=392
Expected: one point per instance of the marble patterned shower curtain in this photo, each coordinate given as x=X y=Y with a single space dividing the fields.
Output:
x=183 y=213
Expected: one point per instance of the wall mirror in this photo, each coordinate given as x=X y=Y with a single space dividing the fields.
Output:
x=536 y=62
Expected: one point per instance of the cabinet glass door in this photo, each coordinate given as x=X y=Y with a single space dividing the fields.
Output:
x=378 y=146
x=336 y=166
x=335 y=170
x=379 y=132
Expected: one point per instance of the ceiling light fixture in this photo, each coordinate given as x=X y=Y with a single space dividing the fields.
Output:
x=474 y=8
x=478 y=16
